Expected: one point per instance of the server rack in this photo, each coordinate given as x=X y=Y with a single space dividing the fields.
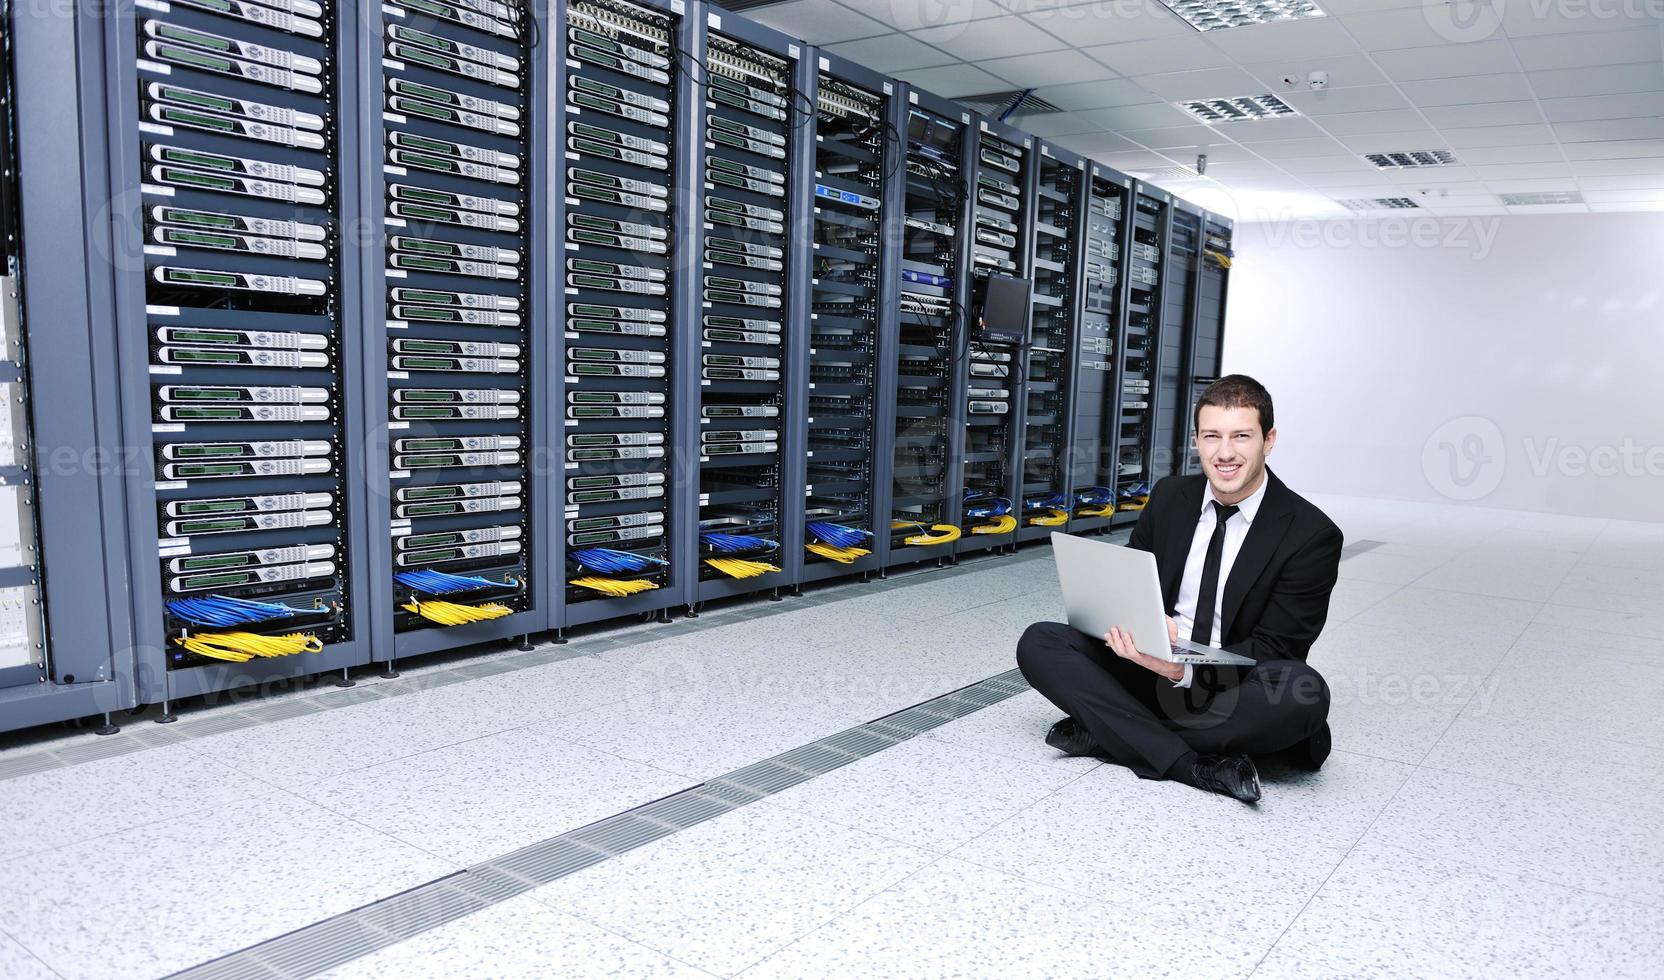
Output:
x=1058 y=262
x=459 y=375
x=1180 y=285
x=933 y=305
x=754 y=306
x=1111 y=359
x=849 y=377
x=1207 y=333
x=634 y=196
x=992 y=416
x=1137 y=464
x=233 y=132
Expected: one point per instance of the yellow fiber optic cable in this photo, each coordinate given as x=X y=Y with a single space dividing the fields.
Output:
x=740 y=568
x=1003 y=524
x=454 y=613
x=1051 y=518
x=845 y=556
x=937 y=534
x=240 y=647
x=1097 y=510
x=614 y=586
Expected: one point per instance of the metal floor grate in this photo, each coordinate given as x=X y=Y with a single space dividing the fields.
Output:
x=332 y=942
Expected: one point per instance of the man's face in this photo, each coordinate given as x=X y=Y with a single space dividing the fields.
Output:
x=1233 y=451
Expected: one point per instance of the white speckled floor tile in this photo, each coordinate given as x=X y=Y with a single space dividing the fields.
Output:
x=521 y=939
x=1453 y=615
x=956 y=920
x=1388 y=911
x=50 y=809
x=1611 y=846
x=1528 y=752
x=17 y=963
x=1352 y=596
x=926 y=792
x=1609 y=579
x=1016 y=729
x=170 y=895
x=1620 y=616
x=726 y=893
x=1164 y=847
x=1384 y=567
x=480 y=799
x=1533 y=578
x=1579 y=695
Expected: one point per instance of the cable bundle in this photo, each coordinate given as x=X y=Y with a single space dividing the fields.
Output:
x=1095 y=501
x=223 y=610
x=610 y=560
x=240 y=647
x=985 y=505
x=730 y=543
x=935 y=534
x=1003 y=524
x=1135 y=497
x=454 y=613
x=845 y=556
x=433 y=582
x=1051 y=518
x=615 y=587
x=740 y=568
x=838 y=542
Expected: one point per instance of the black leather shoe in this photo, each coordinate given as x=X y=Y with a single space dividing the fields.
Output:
x=1228 y=775
x=1071 y=738
x=1310 y=755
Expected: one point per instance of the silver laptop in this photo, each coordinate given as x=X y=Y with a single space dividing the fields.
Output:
x=1107 y=585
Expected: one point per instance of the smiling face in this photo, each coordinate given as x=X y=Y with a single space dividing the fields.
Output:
x=1233 y=450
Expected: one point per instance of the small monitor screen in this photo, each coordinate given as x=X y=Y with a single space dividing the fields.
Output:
x=1005 y=310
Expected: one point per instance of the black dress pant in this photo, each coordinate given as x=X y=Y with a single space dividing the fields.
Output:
x=1147 y=724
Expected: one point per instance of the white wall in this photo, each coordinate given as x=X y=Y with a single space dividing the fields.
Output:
x=1514 y=361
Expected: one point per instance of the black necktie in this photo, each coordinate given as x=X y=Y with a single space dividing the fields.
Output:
x=1209 y=595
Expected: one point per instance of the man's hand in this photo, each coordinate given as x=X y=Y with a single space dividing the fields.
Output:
x=1122 y=643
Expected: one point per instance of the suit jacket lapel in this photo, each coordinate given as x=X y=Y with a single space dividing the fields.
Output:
x=1257 y=548
x=1180 y=531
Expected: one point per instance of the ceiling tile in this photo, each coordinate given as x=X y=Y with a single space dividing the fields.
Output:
x=1656 y=195
x=1421 y=139
x=1529 y=153
x=1603 y=107
x=1548 y=209
x=1317 y=38
x=1050 y=68
x=1340 y=178
x=1130 y=162
x=1280 y=150
x=1344 y=72
x=994 y=38
x=1526 y=186
x=1217 y=152
x=1498 y=135
x=1601 y=130
x=891 y=53
x=1096 y=23
x=1159 y=54
x=1349 y=165
x=1281 y=128
x=818 y=22
x=1469 y=89
x=1206 y=83
x=1484 y=114
x=1168 y=137
x=1090 y=143
x=1587 y=50
x=1605 y=80
x=1448 y=61
x=1615 y=150
x=1364 y=98
x=1628 y=206
x=949 y=81
x=1522 y=171
x=1052 y=123
x=1359 y=123
x=1653 y=181
x=1430 y=176
x=1647 y=166
x=1226 y=172
x=1528 y=19
x=1426 y=26
x=1096 y=95
x=1150 y=116
x=917 y=16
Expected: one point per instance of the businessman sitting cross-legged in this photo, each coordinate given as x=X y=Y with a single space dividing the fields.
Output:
x=1245 y=563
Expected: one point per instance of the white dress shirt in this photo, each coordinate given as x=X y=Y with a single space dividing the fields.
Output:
x=1190 y=585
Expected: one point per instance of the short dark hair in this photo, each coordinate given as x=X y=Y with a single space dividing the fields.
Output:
x=1237 y=391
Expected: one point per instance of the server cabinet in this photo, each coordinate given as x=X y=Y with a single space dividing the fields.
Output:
x=455 y=382
x=1058 y=262
x=634 y=197
x=849 y=376
x=1104 y=428
x=1136 y=464
x=233 y=134
x=65 y=635
x=1208 y=339
x=1180 y=275
x=932 y=332
x=754 y=310
x=1002 y=221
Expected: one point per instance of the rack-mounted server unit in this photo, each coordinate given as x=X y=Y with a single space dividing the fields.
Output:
x=1138 y=463
x=632 y=190
x=849 y=381
x=932 y=340
x=1207 y=335
x=462 y=152
x=234 y=148
x=1057 y=261
x=1002 y=215
x=1107 y=430
x=1181 y=275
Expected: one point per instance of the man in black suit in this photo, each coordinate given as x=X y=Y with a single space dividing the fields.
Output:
x=1246 y=564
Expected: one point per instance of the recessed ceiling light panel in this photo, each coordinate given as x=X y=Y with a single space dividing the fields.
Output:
x=1213 y=15
x=1377 y=203
x=1238 y=109
x=1403 y=159
x=1531 y=198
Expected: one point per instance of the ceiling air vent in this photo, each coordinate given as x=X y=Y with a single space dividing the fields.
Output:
x=1168 y=173
x=1213 y=15
x=1377 y=203
x=1402 y=159
x=1238 y=109
x=1534 y=198
x=998 y=105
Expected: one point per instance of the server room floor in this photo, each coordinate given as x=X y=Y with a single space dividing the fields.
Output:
x=1493 y=806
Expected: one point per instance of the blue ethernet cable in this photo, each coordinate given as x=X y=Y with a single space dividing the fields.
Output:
x=222 y=610
x=434 y=582
x=838 y=535
x=613 y=561
x=730 y=543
